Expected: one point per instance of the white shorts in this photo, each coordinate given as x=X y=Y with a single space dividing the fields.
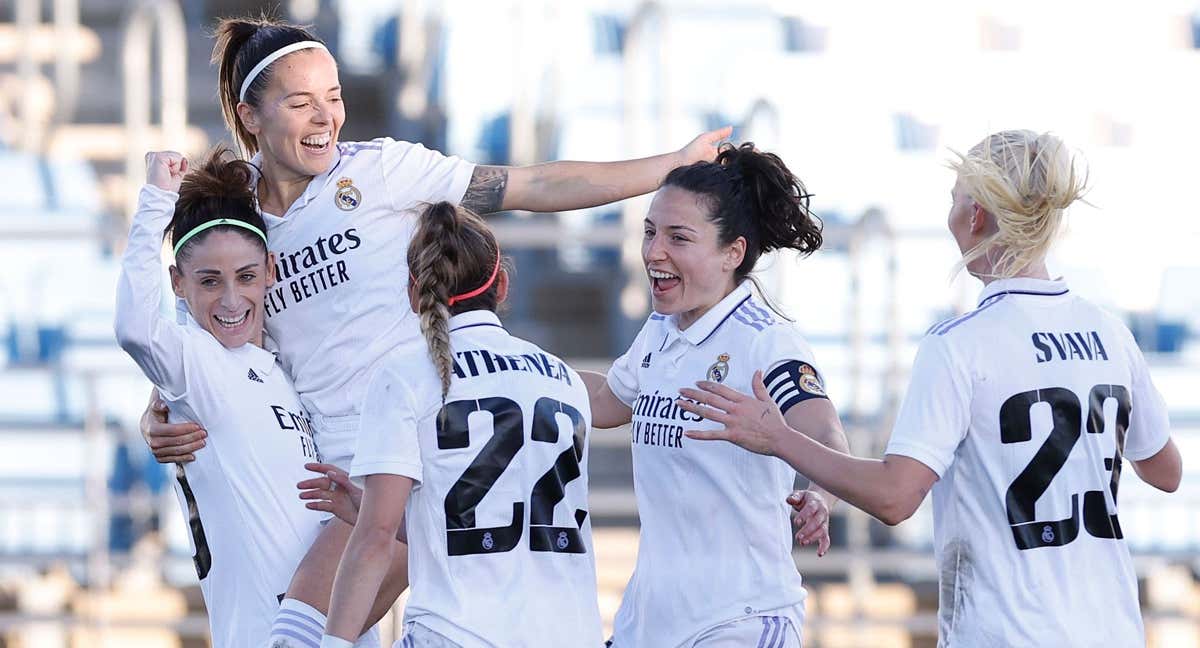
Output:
x=337 y=438
x=779 y=630
x=754 y=632
x=418 y=636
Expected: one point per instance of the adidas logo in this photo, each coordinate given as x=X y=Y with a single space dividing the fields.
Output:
x=253 y=376
x=646 y=362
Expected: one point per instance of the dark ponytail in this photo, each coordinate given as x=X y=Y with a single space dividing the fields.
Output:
x=240 y=44
x=220 y=188
x=452 y=252
x=752 y=194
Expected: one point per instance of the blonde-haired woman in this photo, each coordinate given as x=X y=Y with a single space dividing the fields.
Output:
x=477 y=441
x=1018 y=417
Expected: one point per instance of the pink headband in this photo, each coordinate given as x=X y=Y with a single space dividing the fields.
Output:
x=480 y=290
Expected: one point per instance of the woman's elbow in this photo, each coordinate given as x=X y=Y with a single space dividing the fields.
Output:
x=1168 y=483
x=894 y=512
x=372 y=541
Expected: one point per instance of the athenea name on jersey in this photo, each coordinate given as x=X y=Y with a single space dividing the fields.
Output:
x=499 y=513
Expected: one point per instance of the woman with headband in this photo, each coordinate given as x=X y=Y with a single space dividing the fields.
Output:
x=211 y=367
x=459 y=438
x=340 y=217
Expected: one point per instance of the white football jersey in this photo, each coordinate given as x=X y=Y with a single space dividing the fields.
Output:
x=500 y=542
x=247 y=527
x=1024 y=408
x=716 y=539
x=341 y=300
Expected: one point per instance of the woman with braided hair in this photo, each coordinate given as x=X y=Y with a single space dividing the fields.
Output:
x=340 y=216
x=477 y=442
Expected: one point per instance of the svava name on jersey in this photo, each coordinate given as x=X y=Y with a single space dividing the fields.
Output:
x=311 y=270
x=474 y=362
x=1068 y=346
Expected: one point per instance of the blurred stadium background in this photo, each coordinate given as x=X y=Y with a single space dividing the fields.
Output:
x=861 y=99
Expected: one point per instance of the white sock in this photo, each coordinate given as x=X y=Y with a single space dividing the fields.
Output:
x=297 y=625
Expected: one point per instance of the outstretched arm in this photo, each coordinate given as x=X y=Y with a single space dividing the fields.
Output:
x=562 y=186
x=607 y=410
x=889 y=489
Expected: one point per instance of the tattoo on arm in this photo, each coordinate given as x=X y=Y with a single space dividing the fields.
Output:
x=485 y=193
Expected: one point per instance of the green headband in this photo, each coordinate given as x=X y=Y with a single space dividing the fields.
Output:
x=214 y=223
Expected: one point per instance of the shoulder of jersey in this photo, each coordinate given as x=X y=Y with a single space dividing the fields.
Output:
x=754 y=315
x=356 y=149
x=986 y=310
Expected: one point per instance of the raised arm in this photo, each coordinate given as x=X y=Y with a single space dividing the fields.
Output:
x=889 y=489
x=154 y=342
x=562 y=186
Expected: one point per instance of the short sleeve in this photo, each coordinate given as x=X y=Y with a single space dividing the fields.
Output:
x=936 y=412
x=1149 y=427
x=622 y=375
x=388 y=429
x=414 y=174
x=789 y=367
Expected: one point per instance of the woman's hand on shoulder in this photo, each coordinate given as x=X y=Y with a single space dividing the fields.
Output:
x=165 y=169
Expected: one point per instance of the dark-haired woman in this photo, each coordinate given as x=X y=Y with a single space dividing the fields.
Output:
x=340 y=218
x=714 y=563
x=210 y=366
x=478 y=441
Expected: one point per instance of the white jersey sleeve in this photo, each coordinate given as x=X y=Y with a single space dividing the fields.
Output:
x=413 y=173
x=1149 y=427
x=936 y=412
x=155 y=342
x=623 y=374
x=387 y=441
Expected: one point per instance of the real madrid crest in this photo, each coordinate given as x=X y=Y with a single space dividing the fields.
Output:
x=348 y=197
x=809 y=381
x=720 y=368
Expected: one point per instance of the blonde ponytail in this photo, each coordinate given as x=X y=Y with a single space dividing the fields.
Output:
x=1025 y=181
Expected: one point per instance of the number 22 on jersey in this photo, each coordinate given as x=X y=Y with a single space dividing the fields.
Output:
x=1067 y=415
x=463 y=537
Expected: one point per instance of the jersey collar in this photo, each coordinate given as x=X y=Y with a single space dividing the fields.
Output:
x=259 y=359
x=1024 y=286
x=703 y=328
x=314 y=188
x=473 y=319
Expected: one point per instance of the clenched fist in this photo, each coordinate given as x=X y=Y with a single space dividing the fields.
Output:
x=165 y=169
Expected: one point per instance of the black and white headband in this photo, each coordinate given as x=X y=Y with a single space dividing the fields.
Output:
x=275 y=56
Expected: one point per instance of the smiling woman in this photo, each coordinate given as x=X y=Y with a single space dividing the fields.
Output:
x=705 y=231
x=339 y=218
x=222 y=266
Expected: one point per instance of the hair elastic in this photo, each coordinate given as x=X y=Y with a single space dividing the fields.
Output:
x=271 y=58
x=480 y=290
x=214 y=223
